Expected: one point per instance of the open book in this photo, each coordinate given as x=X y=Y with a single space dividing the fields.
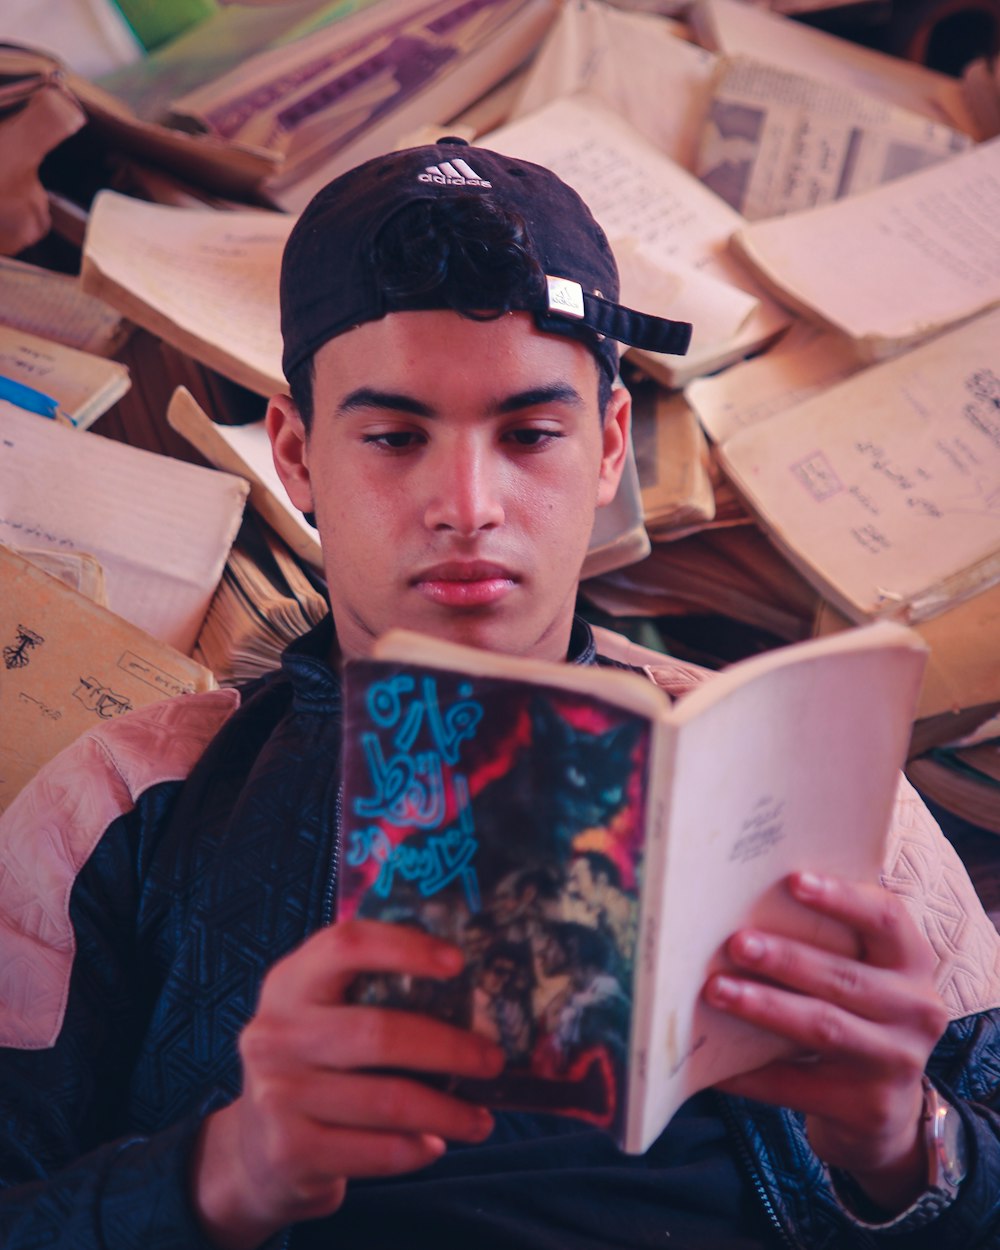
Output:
x=893 y=264
x=883 y=489
x=70 y=665
x=592 y=847
x=67 y=383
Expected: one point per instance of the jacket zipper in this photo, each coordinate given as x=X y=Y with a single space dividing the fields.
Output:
x=743 y=1150
x=331 y=885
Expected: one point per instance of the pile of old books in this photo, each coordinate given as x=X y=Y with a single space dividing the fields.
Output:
x=827 y=216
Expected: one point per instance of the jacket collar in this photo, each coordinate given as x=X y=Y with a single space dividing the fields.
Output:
x=317 y=686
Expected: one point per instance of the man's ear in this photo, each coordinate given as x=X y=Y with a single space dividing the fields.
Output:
x=290 y=451
x=616 y=432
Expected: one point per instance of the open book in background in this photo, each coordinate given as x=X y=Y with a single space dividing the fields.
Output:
x=471 y=778
x=673 y=460
x=263 y=602
x=70 y=664
x=55 y=306
x=803 y=362
x=204 y=280
x=885 y=489
x=246 y=451
x=81 y=385
x=327 y=102
x=896 y=263
x=672 y=226
x=732 y=572
x=161 y=528
x=775 y=141
x=733 y=27
x=624 y=59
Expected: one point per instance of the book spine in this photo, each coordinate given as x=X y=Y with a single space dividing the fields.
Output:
x=650 y=981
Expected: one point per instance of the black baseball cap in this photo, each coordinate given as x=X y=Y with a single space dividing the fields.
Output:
x=328 y=283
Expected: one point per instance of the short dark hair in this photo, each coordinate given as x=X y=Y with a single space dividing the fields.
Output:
x=465 y=253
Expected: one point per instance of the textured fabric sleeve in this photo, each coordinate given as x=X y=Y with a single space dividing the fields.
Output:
x=74 y=994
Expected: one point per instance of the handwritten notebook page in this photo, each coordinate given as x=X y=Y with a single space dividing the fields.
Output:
x=206 y=281
x=885 y=489
x=161 y=528
x=639 y=195
x=895 y=263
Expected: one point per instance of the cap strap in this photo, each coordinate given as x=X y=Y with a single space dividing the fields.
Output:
x=642 y=330
x=567 y=298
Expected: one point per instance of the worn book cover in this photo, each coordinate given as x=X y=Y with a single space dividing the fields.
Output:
x=507 y=818
x=591 y=845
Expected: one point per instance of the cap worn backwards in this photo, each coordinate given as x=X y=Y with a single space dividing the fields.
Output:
x=328 y=280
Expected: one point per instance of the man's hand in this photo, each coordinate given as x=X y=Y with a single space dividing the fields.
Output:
x=864 y=1027
x=314 y=1110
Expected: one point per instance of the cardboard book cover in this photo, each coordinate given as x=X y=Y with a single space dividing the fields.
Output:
x=506 y=817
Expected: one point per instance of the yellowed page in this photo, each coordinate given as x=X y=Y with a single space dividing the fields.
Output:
x=84 y=385
x=775 y=141
x=885 y=489
x=894 y=264
x=70 y=665
x=636 y=193
x=803 y=362
x=160 y=527
x=55 y=306
x=625 y=60
x=733 y=26
x=246 y=451
x=205 y=281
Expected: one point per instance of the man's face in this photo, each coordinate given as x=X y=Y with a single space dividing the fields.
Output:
x=454 y=468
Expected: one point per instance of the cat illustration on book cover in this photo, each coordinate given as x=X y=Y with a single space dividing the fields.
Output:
x=507 y=819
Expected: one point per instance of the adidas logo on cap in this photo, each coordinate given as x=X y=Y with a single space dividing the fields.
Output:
x=456 y=173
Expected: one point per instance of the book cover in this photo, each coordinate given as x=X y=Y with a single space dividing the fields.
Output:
x=592 y=847
x=506 y=817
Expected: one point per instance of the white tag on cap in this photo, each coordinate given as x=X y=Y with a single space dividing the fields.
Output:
x=565 y=296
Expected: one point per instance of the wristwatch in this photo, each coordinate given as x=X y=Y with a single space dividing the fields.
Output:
x=947 y=1163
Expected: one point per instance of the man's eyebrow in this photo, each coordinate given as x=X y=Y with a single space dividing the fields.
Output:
x=534 y=397
x=539 y=396
x=367 y=397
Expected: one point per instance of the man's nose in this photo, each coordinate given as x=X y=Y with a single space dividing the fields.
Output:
x=466 y=491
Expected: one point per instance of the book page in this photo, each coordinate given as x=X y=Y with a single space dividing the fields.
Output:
x=624 y=59
x=69 y=665
x=84 y=385
x=160 y=527
x=803 y=362
x=55 y=306
x=246 y=451
x=638 y=194
x=92 y=37
x=814 y=792
x=885 y=489
x=775 y=141
x=936 y=237
x=206 y=281
x=733 y=27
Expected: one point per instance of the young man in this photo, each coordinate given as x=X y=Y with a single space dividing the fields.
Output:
x=183 y=1064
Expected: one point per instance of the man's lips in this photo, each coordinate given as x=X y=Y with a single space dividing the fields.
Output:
x=459 y=583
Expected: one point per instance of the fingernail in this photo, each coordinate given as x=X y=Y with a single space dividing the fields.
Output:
x=808 y=884
x=723 y=990
x=751 y=947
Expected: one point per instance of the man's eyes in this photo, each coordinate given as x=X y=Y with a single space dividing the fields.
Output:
x=394 y=440
x=405 y=440
x=532 y=436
